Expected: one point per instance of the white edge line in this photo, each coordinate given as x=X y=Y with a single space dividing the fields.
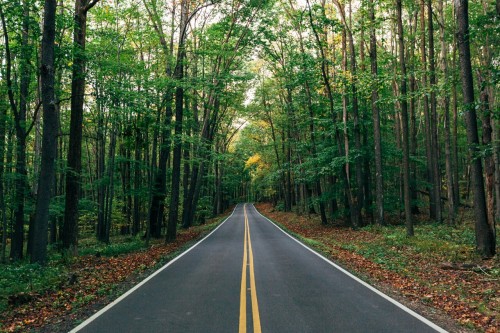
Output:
x=378 y=292
x=137 y=286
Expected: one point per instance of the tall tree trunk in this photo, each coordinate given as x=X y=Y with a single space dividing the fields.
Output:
x=101 y=169
x=312 y=134
x=203 y=149
x=333 y=114
x=136 y=224
x=160 y=181
x=436 y=176
x=288 y=151
x=377 y=137
x=427 y=115
x=356 y=204
x=110 y=192
x=452 y=207
x=404 y=119
x=69 y=234
x=485 y=239
x=3 y=206
x=49 y=144
x=413 y=115
x=486 y=140
x=19 y=110
x=173 y=215
x=454 y=132
x=487 y=100
x=159 y=186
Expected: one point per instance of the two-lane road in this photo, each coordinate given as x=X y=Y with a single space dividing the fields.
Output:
x=248 y=275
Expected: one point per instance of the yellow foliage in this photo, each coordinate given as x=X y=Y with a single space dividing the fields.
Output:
x=255 y=159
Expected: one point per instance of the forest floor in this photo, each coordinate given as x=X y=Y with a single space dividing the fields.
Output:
x=435 y=273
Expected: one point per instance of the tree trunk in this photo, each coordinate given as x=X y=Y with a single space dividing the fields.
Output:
x=159 y=186
x=436 y=176
x=49 y=144
x=333 y=114
x=101 y=169
x=312 y=134
x=3 y=206
x=136 y=224
x=110 y=192
x=452 y=207
x=486 y=140
x=377 y=137
x=404 y=119
x=427 y=115
x=413 y=116
x=485 y=239
x=69 y=234
x=358 y=161
x=19 y=110
x=288 y=151
x=173 y=215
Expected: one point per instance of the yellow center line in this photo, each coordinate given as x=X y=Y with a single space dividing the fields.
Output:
x=253 y=289
x=243 y=290
x=248 y=261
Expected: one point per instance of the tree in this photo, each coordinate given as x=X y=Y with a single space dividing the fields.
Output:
x=485 y=239
x=70 y=227
x=379 y=176
x=49 y=144
x=22 y=129
x=179 y=108
x=404 y=120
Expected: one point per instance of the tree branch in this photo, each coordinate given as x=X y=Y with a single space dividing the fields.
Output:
x=37 y=109
x=90 y=5
x=12 y=100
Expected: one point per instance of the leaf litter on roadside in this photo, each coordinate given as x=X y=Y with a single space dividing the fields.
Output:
x=94 y=277
x=469 y=297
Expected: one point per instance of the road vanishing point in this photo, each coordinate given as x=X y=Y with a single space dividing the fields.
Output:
x=248 y=275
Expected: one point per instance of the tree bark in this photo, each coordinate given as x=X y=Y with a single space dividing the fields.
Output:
x=49 y=139
x=452 y=207
x=136 y=223
x=485 y=239
x=404 y=119
x=436 y=175
x=377 y=137
x=3 y=206
x=357 y=200
x=19 y=110
x=69 y=234
x=413 y=116
x=173 y=215
x=427 y=115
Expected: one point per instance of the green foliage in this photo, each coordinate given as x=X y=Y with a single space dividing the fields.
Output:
x=28 y=278
x=454 y=244
x=118 y=245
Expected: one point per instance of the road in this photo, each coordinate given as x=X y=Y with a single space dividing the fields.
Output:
x=250 y=276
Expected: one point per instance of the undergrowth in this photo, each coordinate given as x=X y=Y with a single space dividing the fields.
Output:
x=453 y=244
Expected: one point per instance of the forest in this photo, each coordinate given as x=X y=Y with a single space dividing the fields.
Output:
x=130 y=128
x=141 y=117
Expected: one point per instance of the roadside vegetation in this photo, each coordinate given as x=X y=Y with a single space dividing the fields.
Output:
x=438 y=267
x=55 y=297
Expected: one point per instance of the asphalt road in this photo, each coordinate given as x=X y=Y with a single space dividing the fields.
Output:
x=248 y=275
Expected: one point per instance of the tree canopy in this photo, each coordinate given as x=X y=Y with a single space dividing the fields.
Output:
x=149 y=115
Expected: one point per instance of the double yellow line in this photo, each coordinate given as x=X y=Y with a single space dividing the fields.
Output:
x=248 y=263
